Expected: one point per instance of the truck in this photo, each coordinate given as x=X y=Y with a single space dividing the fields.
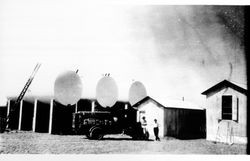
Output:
x=95 y=125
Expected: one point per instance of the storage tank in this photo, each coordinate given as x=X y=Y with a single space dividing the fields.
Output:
x=137 y=92
x=106 y=92
x=68 y=88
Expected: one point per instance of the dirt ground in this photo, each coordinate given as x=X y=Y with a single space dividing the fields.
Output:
x=40 y=143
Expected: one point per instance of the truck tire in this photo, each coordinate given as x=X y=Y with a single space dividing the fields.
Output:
x=88 y=135
x=89 y=132
x=96 y=133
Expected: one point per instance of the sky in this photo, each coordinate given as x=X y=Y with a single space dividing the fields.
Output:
x=175 y=51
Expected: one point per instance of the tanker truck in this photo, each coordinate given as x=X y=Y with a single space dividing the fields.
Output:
x=99 y=123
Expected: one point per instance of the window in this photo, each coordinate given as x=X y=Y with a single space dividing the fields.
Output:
x=227 y=107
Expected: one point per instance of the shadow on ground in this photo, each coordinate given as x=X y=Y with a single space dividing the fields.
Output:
x=128 y=139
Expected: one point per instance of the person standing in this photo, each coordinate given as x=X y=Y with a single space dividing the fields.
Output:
x=156 y=130
x=144 y=128
x=144 y=124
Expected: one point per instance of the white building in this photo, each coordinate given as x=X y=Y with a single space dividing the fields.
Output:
x=226 y=113
x=180 y=119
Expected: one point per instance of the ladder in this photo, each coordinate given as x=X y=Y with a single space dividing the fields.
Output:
x=228 y=136
x=21 y=95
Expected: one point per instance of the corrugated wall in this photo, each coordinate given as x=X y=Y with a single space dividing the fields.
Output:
x=42 y=117
x=62 y=118
x=14 y=117
x=184 y=123
x=27 y=115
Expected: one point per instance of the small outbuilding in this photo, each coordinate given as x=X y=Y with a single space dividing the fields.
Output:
x=226 y=113
x=179 y=119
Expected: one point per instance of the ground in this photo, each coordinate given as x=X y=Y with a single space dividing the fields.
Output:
x=21 y=142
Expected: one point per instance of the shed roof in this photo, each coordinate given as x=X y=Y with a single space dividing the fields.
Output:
x=167 y=103
x=223 y=84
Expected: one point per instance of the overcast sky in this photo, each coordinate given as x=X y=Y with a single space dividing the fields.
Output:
x=175 y=51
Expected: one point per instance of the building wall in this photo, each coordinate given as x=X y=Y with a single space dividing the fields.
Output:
x=3 y=114
x=27 y=116
x=184 y=123
x=14 y=117
x=42 y=117
x=61 y=116
x=3 y=111
x=152 y=111
x=226 y=130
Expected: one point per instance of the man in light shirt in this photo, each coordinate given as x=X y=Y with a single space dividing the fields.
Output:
x=144 y=124
x=156 y=130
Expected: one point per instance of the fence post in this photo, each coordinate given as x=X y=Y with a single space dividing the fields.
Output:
x=50 y=116
x=34 y=116
x=20 y=115
x=93 y=106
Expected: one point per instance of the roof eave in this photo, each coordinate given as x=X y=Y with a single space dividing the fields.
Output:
x=224 y=84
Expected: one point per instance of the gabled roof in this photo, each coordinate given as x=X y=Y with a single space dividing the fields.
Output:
x=224 y=84
x=167 y=103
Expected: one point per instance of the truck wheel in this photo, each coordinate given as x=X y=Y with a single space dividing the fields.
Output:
x=88 y=135
x=96 y=133
x=89 y=132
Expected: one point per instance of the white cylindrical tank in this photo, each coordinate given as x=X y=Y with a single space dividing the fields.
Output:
x=137 y=92
x=68 y=88
x=106 y=92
